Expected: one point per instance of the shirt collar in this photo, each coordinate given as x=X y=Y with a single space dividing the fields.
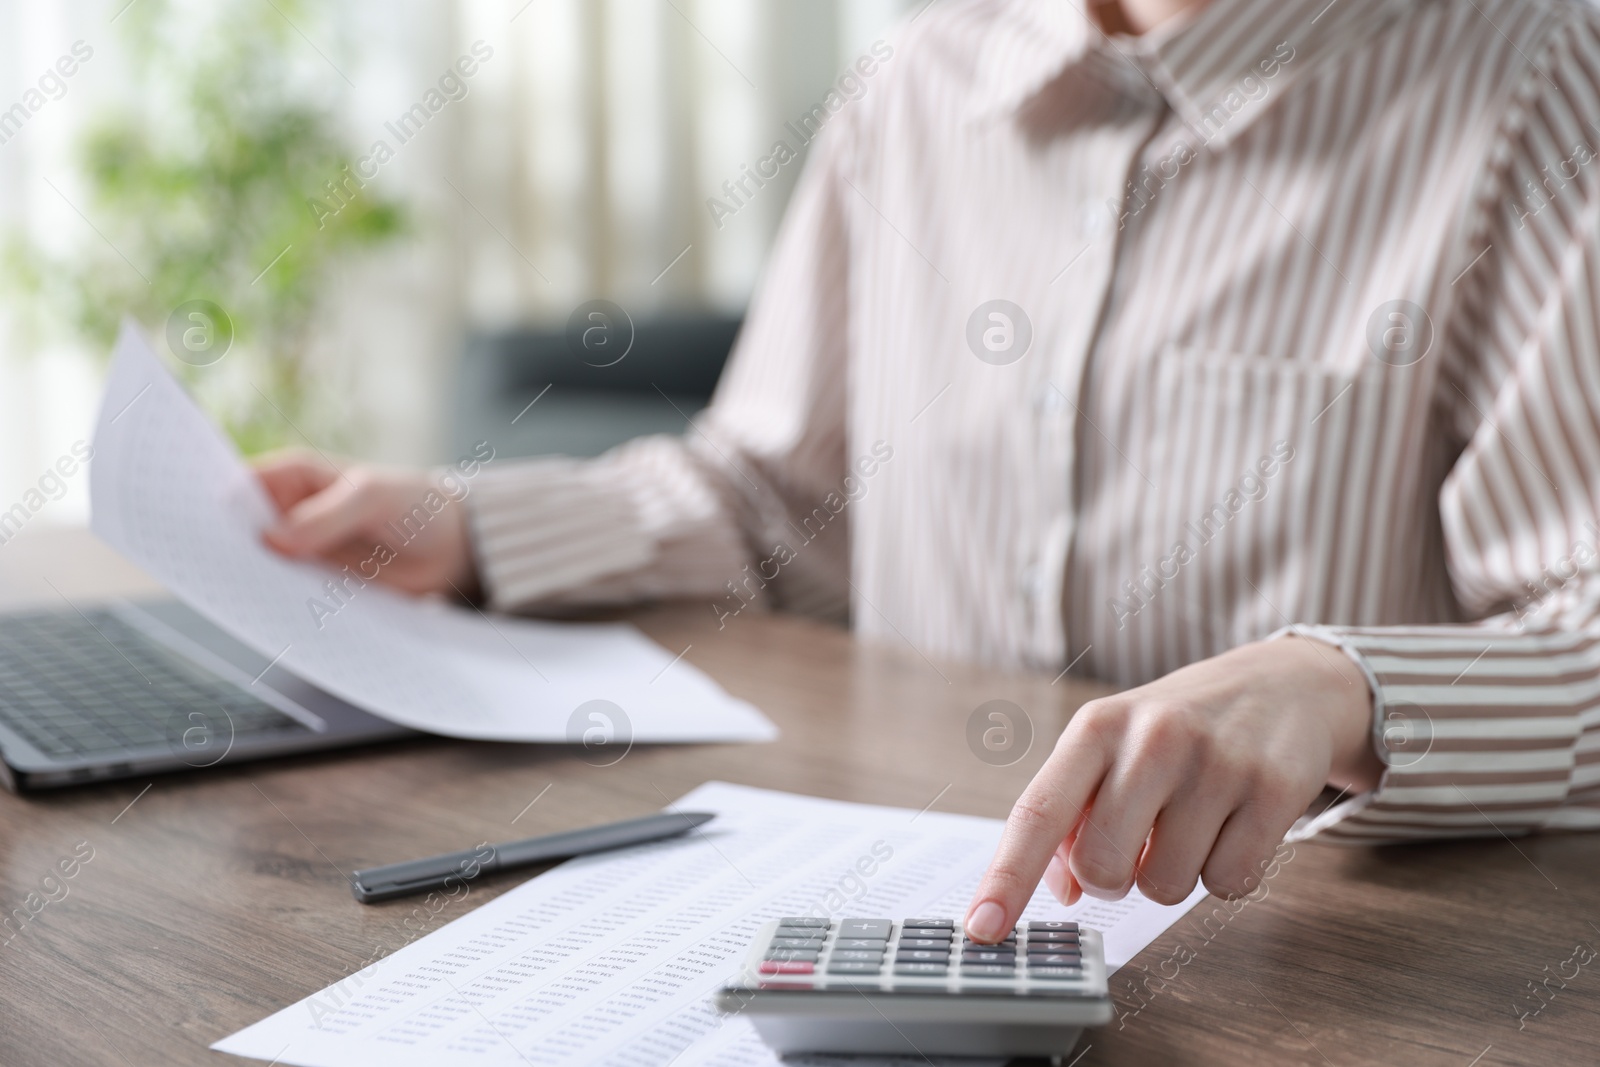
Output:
x=1218 y=68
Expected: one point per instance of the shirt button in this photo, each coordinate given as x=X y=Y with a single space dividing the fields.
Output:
x=1091 y=219
x=1047 y=399
x=1031 y=581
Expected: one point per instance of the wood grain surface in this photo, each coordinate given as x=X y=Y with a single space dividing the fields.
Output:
x=212 y=899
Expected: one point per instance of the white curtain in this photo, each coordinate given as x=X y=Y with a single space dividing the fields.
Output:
x=575 y=162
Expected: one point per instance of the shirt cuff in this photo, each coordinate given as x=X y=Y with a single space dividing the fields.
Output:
x=549 y=526
x=1470 y=746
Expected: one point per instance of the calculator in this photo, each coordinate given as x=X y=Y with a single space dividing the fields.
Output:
x=919 y=987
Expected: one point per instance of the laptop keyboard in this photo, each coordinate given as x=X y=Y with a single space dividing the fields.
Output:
x=93 y=685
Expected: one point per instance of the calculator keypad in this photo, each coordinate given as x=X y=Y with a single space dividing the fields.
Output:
x=928 y=954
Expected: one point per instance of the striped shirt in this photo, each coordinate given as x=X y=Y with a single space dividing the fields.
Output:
x=1115 y=353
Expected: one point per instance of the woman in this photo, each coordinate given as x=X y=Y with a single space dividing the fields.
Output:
x=1241 y=352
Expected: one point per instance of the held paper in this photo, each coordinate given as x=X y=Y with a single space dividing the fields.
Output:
x=168 y=491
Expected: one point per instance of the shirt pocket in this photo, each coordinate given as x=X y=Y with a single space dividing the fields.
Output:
x=1265 y=469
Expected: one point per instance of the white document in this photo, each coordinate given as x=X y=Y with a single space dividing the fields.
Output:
x=168 y=491
x=611 y=959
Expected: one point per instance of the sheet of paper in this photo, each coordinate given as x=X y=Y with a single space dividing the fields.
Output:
x=168 y=491
x=611 y=959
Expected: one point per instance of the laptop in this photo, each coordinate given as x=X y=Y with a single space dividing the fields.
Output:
x=140 y=687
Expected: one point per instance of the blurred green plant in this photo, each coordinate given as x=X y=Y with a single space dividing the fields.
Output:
x=202 y=190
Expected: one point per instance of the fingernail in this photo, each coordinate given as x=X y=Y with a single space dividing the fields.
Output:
x=1101 y=893
x=984 y=922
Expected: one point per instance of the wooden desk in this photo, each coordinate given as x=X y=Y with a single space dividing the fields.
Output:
x=217 y=897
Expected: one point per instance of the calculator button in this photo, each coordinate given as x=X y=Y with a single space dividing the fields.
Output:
x=929 y=924
x=787 y=967
x=853 y=967
x=800 y=932
x=796 y=942
x=939 y=969
x=1062 y=936
x=986 y=970
x=1009 y=939
x=856 y=956
x=969 y=956
x=808 y=955
x=867 y=943
x=924 y=942
x=1055 y=925
x=1057 y=973
x=921 y=955
x=1054 y=960
x=878 y=928
x=816 y=923
x=919 y=934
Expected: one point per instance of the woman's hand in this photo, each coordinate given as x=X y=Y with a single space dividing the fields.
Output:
x=405 y=528
x=1197 y=775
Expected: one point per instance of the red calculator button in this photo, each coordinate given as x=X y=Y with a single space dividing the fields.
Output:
x=787 y=967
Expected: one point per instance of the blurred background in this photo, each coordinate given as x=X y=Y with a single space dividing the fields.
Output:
x=378 y=227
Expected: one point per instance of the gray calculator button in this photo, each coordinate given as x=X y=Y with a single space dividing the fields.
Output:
x=1053 y=960
x=853 y=967
x=969 y=956
x=865 y=928
x=1056 y=974
x=927 y=935
x=1033 y=927
x=1069 y=937
x=800 y=931
x=869 y=944
x=821 y=924
x=797 y=955
x=901 y=967
x=924 y=942
x=921 y=955
x=929 y=924
x=986 y=970
x=795 y=942
x=857 y=956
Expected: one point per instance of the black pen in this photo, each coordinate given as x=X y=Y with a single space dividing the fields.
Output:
x=439 y=872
